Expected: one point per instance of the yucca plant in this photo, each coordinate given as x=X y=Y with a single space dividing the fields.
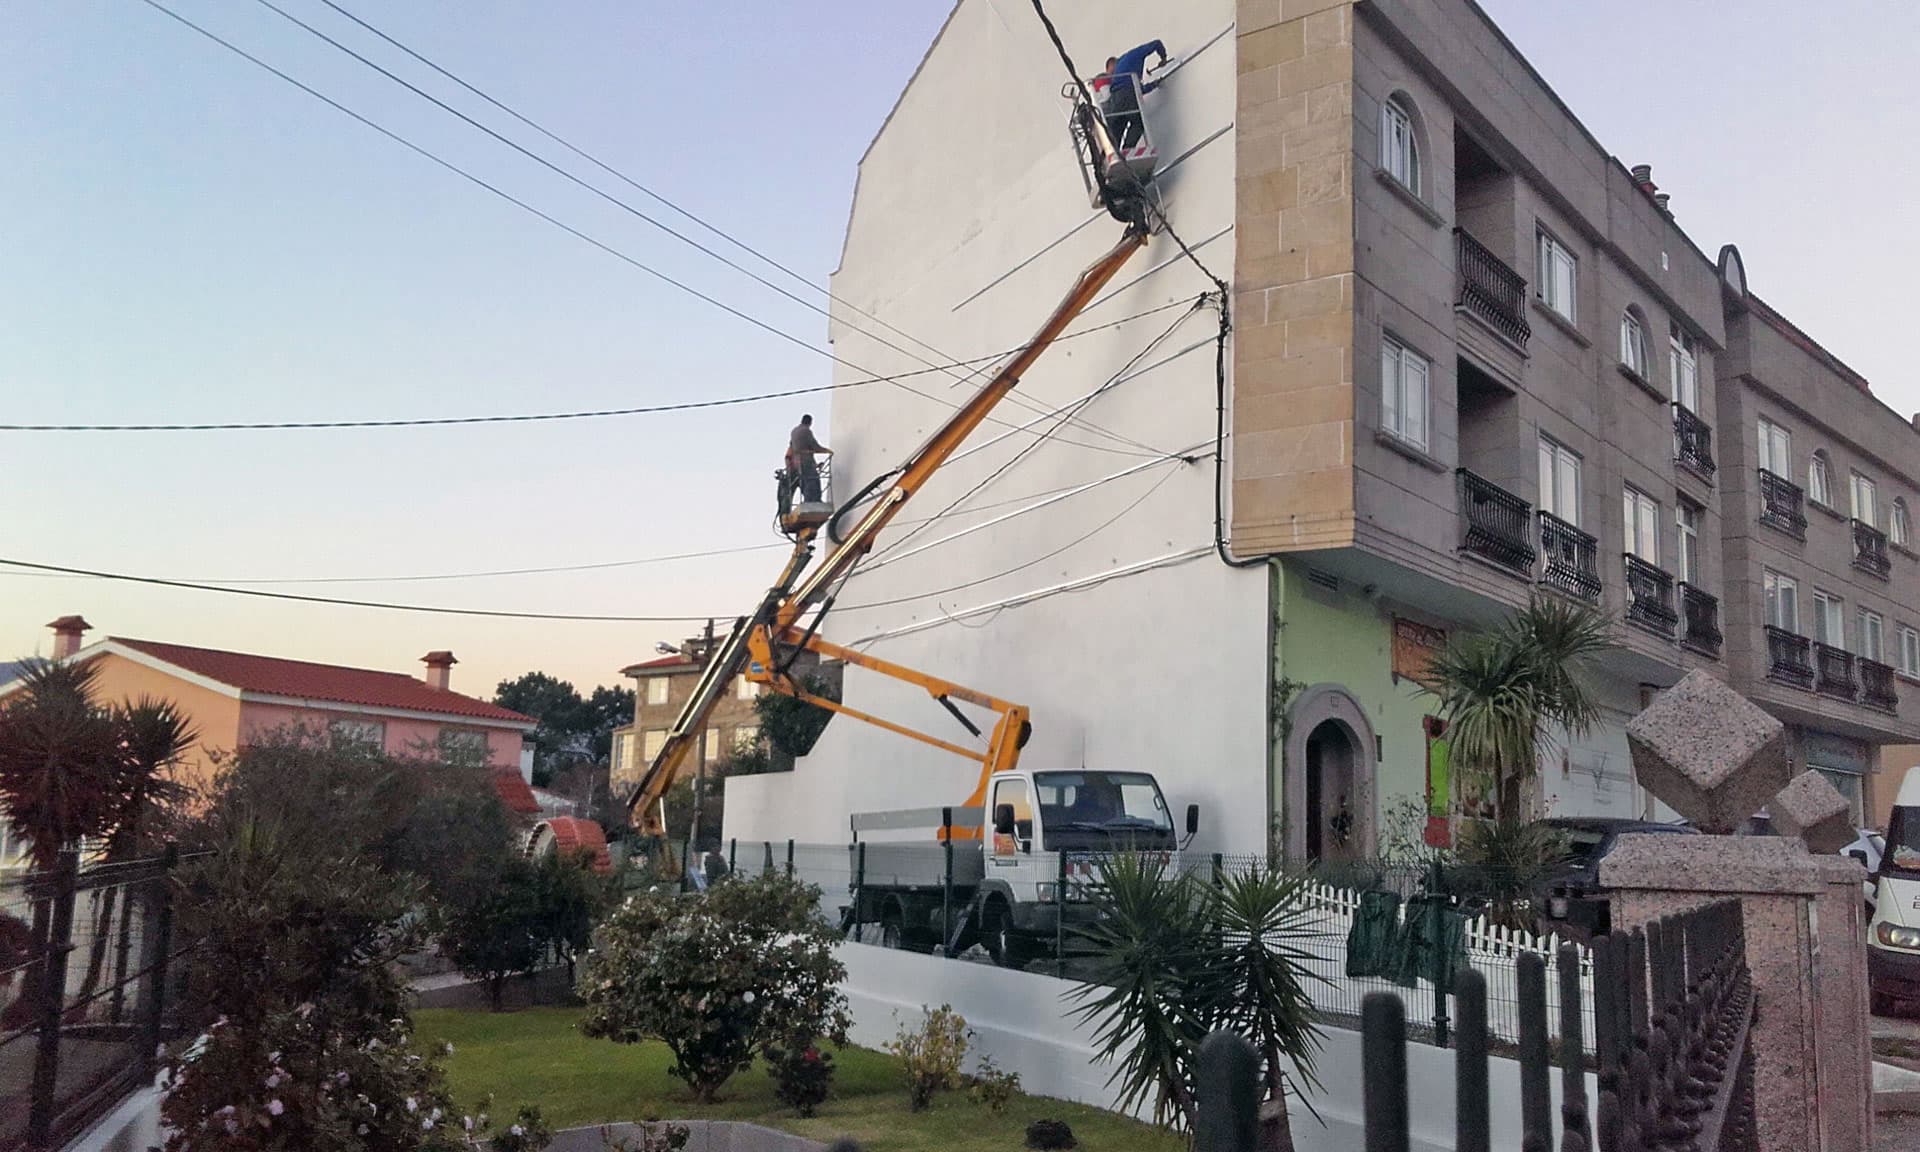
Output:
x=1261 y=973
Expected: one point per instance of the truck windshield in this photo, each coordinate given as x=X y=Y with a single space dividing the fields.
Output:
x=1102 y=810
x=1902 y=855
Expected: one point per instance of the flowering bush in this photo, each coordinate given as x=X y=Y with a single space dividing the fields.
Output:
x=931 y=1054
x=715 y=977
x=802 y=1074
x=991 y=1087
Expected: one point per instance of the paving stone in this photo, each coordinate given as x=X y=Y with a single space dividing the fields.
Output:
x=1812 y=808
x=1709 y=753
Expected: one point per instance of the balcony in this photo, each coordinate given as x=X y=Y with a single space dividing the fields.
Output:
x=1572 y=556
x=1834 y=669
x=1870 y=550
x=1493 y=293
x=1789 y=657
x=1700 y=614
x=1782 y=505
x=1650 y=597
x=1876 y=686
x=1692 y=442
x=1495 y=524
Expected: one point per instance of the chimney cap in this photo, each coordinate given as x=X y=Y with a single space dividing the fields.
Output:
x=439 y=658
x=70 y=624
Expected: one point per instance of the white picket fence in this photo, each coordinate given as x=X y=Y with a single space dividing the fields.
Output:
x=1491 y=949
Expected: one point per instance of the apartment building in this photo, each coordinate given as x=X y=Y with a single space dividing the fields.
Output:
x=661 y=688
x=1474 y=360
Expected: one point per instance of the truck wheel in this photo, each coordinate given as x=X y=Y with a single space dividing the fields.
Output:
x=997 y=934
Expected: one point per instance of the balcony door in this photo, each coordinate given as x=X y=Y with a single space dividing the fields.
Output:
x=1776 y=449
x=1559 y=481
x=1783 y=602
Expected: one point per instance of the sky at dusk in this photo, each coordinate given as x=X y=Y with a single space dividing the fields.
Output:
x=188 y=238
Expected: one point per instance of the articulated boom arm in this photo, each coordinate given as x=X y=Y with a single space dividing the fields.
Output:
x=761 y=646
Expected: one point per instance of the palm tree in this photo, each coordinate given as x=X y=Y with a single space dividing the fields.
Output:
x=1503 y=690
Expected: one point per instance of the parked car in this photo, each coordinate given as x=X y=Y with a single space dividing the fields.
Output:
x=1571 y=900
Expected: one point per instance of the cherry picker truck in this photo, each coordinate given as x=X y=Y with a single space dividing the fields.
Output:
x=994 y=886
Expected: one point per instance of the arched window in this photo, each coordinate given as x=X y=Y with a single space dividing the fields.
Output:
x=1820 y=478
x=1899 y=529
x=1399 y=143
x=1633 y=342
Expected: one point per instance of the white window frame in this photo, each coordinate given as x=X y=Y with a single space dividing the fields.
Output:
x=1683 y=369
x=745 y=736
x=1782 y=606
x=1633 y=343
x=1640 y=523
x=1862 y=491
x=1820 y=478
x=1552 y=258
x=659 y=690
x=1776 y=449
x=1873 y=635
x=358 y=731
x=1558 y=464
x=1829 y=619
x=1900 y=523
x=1405 y=392
x=653 y=741
x=1910 y=650
x=1686 y=548
x=745 y=689
x=1399 y=144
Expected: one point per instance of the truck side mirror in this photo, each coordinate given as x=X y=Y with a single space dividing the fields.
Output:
x=1003 y=819
x=1193 y=819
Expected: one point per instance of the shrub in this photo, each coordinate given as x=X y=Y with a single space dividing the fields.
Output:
x=931 y=1054
x=991 y=1087
x=654 y=1137
x=716 y=977
x=496 y=931
x=802 y=1074
x=527 y=1133
x=1050 y=1134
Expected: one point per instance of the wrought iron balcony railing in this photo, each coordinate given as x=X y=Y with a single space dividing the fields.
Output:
x=1789 y=657
x=1572 y=558
x=1782 y=505
x=1650 y=597
x=1870 y=550
x=1490 y=290
x=1692 y=442
x=1494 y=524
x=1834 y=671
x=1876 y=686
x=1700 y=614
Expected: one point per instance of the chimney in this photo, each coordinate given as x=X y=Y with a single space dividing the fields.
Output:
x=439 y=668
x=1660 y=201
x=66 y=635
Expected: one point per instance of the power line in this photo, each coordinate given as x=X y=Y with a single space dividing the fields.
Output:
x=569 y=229
x=435 y=609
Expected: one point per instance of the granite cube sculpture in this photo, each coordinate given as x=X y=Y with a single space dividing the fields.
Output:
x=1812 y=808
x=1709 y=753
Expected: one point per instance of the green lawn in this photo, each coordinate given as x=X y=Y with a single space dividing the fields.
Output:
x=537 y=1056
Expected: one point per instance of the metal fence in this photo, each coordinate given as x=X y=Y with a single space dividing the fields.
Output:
x=85 y=999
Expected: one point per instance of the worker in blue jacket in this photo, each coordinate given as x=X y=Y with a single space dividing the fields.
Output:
x=1125 y=83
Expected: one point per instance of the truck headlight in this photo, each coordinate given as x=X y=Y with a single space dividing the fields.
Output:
x=1894 y=936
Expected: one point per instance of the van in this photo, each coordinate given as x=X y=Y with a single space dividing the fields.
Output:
x=1893 y=938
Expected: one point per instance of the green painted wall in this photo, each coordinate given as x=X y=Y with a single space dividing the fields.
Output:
x=1342 y=638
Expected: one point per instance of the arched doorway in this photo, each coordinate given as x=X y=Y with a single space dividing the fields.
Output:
x=1329 y=782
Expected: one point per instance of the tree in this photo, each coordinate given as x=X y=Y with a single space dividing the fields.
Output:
x=495 y=931
x=63 y=771
x=571 y=899
x=1504 y=689
x=791 y=725
x=607 y=708
x=572 y=728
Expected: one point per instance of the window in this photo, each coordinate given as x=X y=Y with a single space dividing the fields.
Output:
x=1686 y=524
x=463 y=745
x=1013 y=793
x=1683 y=365
x=1829 y=619
x=1873 y=636
x=1557 y=272
x=1399 y=151
x=1783 y=601
x=657 y=689
x=1641 y=521
x=1866 y=501
x=1899 y=527
x=1848 y=785
x=368 y=735
x=1559 y=481
x=653 y=743
x=1819 y=478
x=746 y=736
x=1403 y=392
x=1633 y=342
x=1910 y=651
x=1776 y=449
x=745 y=689
x=710 y=745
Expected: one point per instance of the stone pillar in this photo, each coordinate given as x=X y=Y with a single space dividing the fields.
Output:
x=1806 y=947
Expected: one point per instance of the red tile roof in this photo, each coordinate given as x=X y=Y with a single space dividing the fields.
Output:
x=664 y=663
x=572 y=835
x=273 y=676
x=514 y=792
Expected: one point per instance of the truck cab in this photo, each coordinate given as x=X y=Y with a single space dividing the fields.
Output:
x=1893 y=936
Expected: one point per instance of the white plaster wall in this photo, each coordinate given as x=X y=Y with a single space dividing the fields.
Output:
x=969 y=224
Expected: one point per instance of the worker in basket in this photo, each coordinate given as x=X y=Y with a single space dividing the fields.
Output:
x=1125 y=84
x=801 y=446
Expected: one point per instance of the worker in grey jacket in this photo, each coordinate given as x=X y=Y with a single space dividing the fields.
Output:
x=801 y=446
